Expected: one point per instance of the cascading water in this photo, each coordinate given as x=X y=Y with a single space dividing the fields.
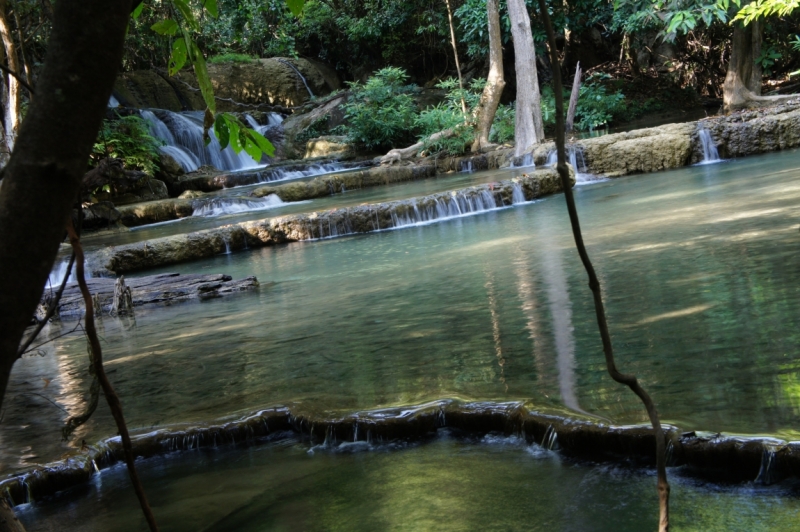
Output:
x=466 y=166
x=299 y=75
x=710 y=153
x=576 y=159
x=236 y=205
x=428 y=210
x=58 y=273
x=183 y=135
x=113 y=102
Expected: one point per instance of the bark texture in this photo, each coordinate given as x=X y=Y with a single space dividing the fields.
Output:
x=594 y=284
x=529 y=128
x=495 y=82
x=742 y=87
x=43 y=176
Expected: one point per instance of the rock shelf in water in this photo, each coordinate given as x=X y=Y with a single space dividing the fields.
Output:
x=154 y=289
x=337 y=222
x=736 y=458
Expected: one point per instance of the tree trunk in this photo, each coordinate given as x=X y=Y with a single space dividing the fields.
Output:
x=11 y=109
x=455 y=54
x=529 y=128
x=49 y=159
x=490 y=99
x=573 y=99
x=742 y=87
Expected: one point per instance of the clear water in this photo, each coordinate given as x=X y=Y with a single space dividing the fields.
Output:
x=700 y=271
x=448 y=485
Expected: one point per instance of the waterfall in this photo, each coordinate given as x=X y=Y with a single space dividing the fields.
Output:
x=710 y=153
x=524 y=161
x=236 y=205
x=273 y=119
x=466 y=166
x=576 y=159
x=422 y=211
x=280 y=174
x=300 y=75
x=113 y=102
x=58 y=272
x=183 y=135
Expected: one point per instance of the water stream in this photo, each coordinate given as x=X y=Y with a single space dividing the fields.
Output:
x=699 y=268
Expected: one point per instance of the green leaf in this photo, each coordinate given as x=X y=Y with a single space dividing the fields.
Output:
x=165 y=27
x=107 y=188
x=236 y=142
x=221 y=131
x=296 y=6
x=252 y=149
x=211 y=6
x=263 y=143
x=177 y=58
x=138 y=11
x=186 y=11
x=201 y=71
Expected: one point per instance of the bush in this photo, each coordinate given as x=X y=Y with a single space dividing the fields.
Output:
x=381 y=112
x=232 y=58
x=596 y=106
x=127 y=138
x=449 y=114
x=504 y=125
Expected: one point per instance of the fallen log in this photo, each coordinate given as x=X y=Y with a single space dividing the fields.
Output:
x=153 y=289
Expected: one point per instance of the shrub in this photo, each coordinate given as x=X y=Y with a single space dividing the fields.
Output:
x=127 y=138
x=381 y=112
x=232 y=58
x=504 y=125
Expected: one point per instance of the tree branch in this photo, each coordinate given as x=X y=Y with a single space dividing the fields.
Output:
x=108 y=390
x=594 y=284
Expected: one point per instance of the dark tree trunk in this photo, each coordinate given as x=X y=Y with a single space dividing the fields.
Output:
x=42 y=178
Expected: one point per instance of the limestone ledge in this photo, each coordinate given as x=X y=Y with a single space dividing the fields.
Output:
x=336 y=222
x=737 y=458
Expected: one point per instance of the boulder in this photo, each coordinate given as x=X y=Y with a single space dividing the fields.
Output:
x=329 y=114
x=329 y=146
x=237 y=86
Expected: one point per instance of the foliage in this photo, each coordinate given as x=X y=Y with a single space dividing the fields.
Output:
x=127 y=138
x=504 y=125
x=768 y=57
x=380 y=112
x=181 y=26
x=449 y=115
x=765 y=8
x=231 y=57
x=596 y=105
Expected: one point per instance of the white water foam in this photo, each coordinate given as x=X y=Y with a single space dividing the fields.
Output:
x=236 y=205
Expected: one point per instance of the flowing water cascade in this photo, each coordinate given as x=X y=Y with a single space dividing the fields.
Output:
x=710 y=153
x=299 y=75
x=283 y=174
x=113 y=102
x=466 y=166
x=58 y=272
x=235 y=205
x=576 y=159
x=414 y=212
x=524 y=161
x=183 y=135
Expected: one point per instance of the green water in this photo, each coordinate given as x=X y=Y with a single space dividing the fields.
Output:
x=701 y=275
x=448 y=485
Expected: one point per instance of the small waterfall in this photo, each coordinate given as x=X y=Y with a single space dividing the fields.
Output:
x=186 y=159
x=466 y=166
x=57 y=275
x=280 y=174
x=550 y=439
x=273 y=119
x=227 y=241
x=416 y=212
x=577 y=160
x=184 y=132
x=767 y=474
x=235 y=205
x=517 y=195
x=710 y=153
x=113 y=102
x=300 y=75
x=524 y=161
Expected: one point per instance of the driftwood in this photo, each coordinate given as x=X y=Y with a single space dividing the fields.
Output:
x=154 y=289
